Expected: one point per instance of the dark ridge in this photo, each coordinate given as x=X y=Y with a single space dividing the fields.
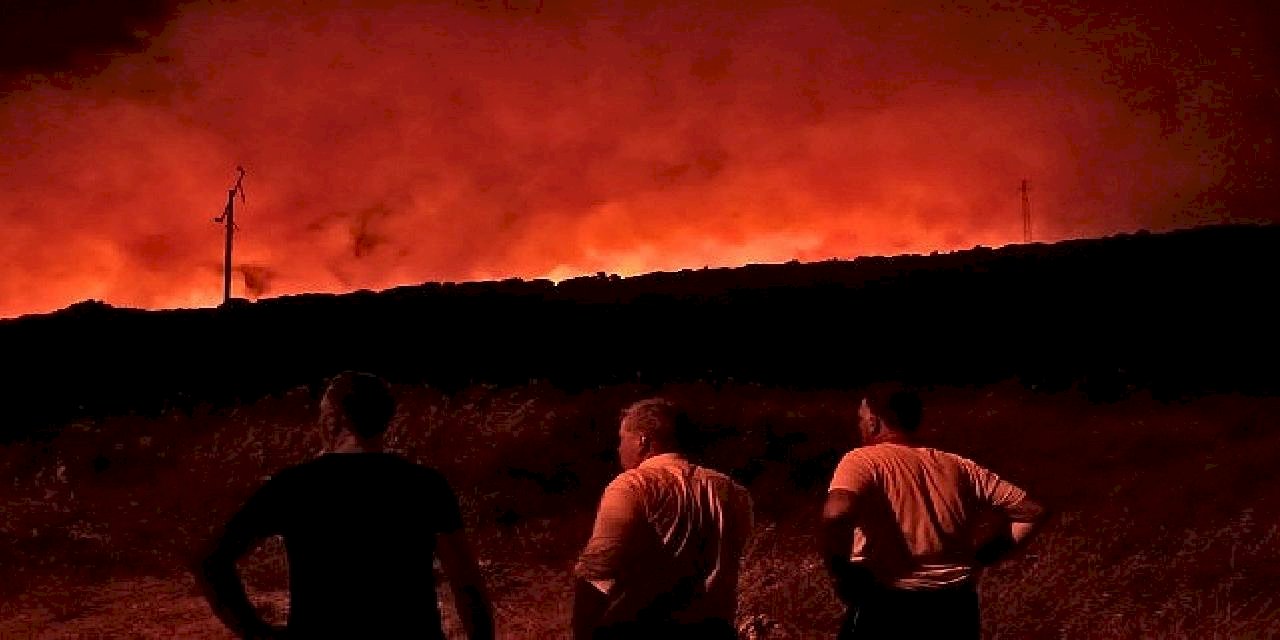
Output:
x=1182 y=312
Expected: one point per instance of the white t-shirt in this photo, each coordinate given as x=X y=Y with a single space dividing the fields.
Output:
x=919 y=511
x=669 y=527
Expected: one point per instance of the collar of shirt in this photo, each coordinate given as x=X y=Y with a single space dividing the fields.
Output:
x=661 y=460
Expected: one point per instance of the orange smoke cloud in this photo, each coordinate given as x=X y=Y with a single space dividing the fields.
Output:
x=398 y=144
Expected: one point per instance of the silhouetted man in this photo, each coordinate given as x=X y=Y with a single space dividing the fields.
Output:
x=901 y=524
x=668 y=540
x=360 y=528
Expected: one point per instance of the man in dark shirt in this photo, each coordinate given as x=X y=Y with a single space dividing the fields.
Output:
x=360 y=528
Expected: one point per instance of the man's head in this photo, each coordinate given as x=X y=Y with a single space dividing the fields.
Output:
x=888 y=411
x=359 y=403
x=649 y=428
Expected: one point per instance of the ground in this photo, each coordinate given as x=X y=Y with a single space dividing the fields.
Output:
x=1165 y=511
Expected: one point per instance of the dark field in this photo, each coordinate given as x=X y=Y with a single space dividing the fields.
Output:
x=1165 y=519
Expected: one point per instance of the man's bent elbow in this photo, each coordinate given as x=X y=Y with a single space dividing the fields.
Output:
x=1027 y=511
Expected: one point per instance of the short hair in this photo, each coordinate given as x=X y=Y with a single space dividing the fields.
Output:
x=661 y=420
x=896 y=405
x=365 y=399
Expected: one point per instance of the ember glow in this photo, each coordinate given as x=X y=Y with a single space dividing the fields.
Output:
x=390 y=144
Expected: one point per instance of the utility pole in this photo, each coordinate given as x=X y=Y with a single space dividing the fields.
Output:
x=228 y=218
x=1026 y=213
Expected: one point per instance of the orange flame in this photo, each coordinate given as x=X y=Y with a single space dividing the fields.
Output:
x=399 y=144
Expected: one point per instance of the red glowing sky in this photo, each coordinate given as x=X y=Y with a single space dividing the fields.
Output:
x=396 y=143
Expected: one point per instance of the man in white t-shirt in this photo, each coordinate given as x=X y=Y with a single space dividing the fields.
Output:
x=901 y=528
x=665 y=552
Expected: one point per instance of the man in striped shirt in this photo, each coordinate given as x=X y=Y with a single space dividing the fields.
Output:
x=665 y=551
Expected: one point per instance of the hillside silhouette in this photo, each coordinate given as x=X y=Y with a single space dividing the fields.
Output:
x=1105 y=376
x=1177 y=313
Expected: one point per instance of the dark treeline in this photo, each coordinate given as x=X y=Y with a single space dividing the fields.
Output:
x=1178 y=313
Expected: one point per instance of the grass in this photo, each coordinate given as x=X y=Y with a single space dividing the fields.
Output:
x=1165 y=526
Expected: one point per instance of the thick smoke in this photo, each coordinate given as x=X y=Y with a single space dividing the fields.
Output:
x=391 y=144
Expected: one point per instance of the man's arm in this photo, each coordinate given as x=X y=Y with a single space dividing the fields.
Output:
x=466 y=583
x=220 y=584
x=1023 y=514
x=853 y=477
x=611 y=551
x=1025 y=519
x=839 y=517
x=216 y=571
x=589 y=606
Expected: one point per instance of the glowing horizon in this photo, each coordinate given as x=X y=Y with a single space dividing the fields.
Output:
x=401 y=143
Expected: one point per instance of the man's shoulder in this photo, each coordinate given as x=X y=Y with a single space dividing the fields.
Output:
x=656 y=479
x=291 y=473
x=417 y=470
x=948 y=456
x=716 y=475
x=740 y=491
x=299 y=475
x=892 y=450
x=651 y=473
x=723 y=482
x=632 y=479
x=867 y=453
x=397 y=458
x=344 y=464
x=869 y=463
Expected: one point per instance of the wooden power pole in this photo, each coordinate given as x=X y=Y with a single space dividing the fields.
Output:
x=1026 y=213
x=228 y=218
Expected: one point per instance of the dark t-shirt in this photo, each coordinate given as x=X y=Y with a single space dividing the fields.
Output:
x=359 y=530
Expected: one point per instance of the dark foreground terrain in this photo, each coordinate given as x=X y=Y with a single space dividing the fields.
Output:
x=1129 y=382
x=1166 y=510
